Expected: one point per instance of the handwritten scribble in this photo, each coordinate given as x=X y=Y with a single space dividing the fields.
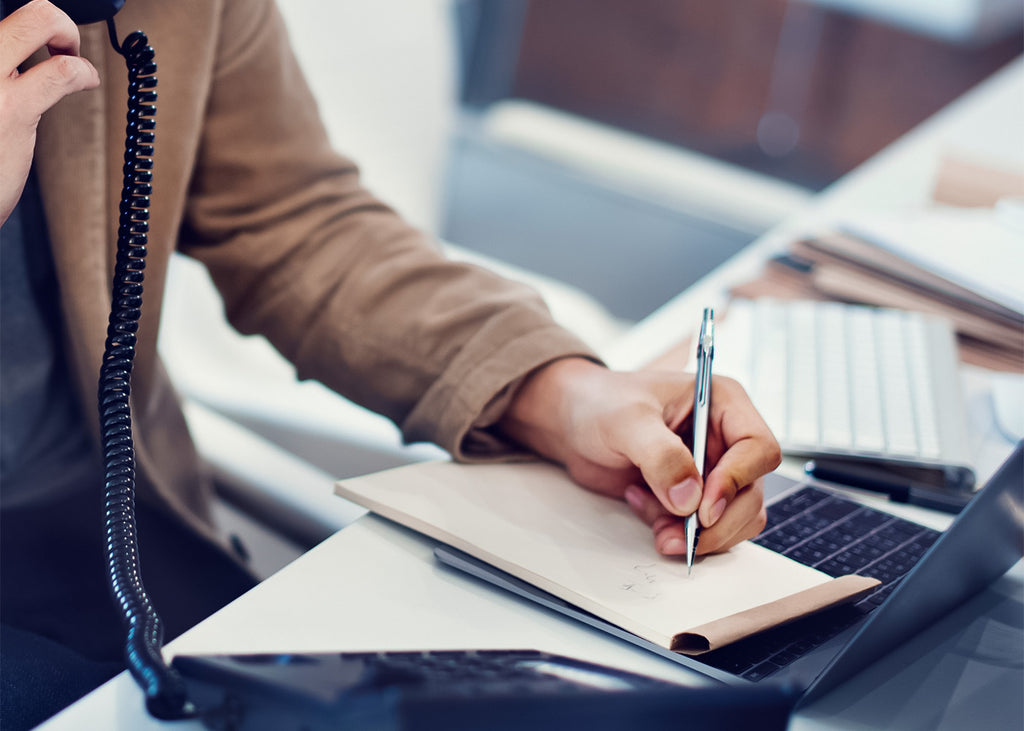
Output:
x=644 y=582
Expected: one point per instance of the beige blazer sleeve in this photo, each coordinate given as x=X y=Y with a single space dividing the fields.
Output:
x=355 y=297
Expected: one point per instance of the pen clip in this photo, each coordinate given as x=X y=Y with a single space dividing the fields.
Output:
x=705 y=353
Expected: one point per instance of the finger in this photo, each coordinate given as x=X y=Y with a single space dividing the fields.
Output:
x=670 y=535
x=603 y=479
x=47 y=83
x=643 y=503
x=668 y=529
x=32 y=26
x=743 y=519
x=742 y=464
x=749 y=531
x=750 y=451
x=664 y=461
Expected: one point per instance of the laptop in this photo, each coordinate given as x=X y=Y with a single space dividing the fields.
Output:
x=924 y=573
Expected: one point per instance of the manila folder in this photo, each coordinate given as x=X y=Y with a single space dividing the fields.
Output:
x=530 y=520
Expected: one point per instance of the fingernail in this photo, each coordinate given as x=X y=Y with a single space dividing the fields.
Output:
x=674 y=545
x=685 y=495
x=634 y=498
x=716 y=512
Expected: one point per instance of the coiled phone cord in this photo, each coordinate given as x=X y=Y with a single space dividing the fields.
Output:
x=163 y=687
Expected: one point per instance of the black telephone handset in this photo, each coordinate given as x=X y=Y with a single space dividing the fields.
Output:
x=82 y=12
x=164 y=689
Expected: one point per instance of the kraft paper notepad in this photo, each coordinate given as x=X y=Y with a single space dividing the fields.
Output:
x=531 y=521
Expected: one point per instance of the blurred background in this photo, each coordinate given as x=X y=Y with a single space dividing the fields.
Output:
x=727 y=114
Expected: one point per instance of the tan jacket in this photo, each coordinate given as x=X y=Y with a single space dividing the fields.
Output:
x=245 y=181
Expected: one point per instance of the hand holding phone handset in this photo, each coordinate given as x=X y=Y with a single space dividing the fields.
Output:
x=25 y=97
x=163 y=687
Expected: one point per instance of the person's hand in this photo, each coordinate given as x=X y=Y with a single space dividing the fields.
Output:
x=25 y=97
x=618 y=434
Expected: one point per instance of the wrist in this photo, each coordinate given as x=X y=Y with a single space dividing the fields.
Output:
x=538 y=415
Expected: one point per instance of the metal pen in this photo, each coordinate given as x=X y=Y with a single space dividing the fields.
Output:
x=701 y=415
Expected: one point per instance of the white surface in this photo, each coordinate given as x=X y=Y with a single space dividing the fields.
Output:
x=275 y=473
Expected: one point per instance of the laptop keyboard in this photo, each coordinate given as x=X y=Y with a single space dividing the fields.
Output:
x=836 y=536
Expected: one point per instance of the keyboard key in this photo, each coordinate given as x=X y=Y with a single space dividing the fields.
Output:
x=835 y=395
x=761 y=672
x=852 y=561
x=807 y=555
x=835 y=567
x=868 y=434
x=825 y=544
x=866 y=550
x=922 y=387
x=897 y=403
x=784 y=658
x=804 y=394
x=834 y=509
x=768 y=383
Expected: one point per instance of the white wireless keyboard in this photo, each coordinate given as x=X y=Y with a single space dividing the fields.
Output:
x=850 y=381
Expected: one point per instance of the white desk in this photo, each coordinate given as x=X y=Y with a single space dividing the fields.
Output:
x=376 y=586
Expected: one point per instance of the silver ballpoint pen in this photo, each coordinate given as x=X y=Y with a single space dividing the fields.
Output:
x=701 y=414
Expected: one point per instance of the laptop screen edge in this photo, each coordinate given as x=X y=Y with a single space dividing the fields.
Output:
x=984 y=542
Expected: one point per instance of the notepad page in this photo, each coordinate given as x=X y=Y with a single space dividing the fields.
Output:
x=530 y=520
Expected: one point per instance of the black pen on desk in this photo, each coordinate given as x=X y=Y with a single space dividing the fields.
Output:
x=701 y=415
x=899 y=489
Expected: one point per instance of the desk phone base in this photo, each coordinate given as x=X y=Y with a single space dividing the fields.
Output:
x=462 y=689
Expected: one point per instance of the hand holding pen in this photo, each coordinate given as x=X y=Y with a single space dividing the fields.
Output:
x=621 y=434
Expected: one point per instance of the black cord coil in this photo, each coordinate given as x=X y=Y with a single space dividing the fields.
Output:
x=163 y=687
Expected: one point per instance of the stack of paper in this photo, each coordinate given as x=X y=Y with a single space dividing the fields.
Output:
x=961 y=264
